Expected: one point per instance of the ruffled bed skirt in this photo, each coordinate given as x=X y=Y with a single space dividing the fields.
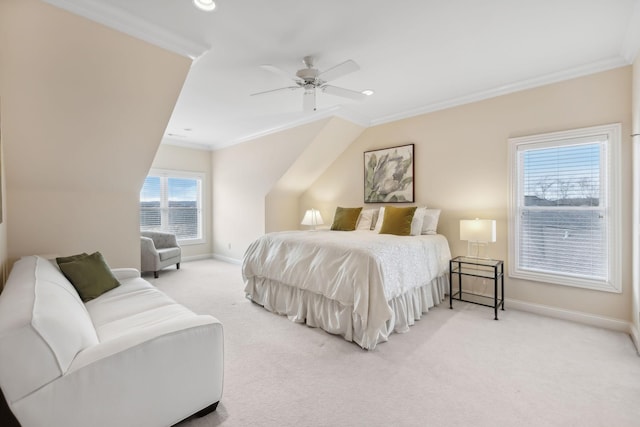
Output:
x=317 y=311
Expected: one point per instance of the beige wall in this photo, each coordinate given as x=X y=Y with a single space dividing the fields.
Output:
x=635 y=114
x=282 y=208
x=84 y=109
x=191 y=160
x=462 y=168
x=4 y=257
x=243 y=175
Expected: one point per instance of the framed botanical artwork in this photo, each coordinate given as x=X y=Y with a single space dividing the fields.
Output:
x=388 y=175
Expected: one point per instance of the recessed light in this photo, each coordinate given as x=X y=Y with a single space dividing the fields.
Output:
x=367 y=92
x=206 y=5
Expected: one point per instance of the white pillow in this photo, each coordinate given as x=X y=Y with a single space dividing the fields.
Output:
x=366 y=220
x=417 y=221
x=430 y=221
x=379 y=221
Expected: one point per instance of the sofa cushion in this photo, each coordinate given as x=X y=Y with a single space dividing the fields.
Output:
x=135 y=305
x=44 y=325
x=89 y=274
x=168 y=253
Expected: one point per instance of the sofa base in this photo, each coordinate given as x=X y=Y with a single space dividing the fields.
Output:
x=206 y=411
x=201 y=413
x=7 y=419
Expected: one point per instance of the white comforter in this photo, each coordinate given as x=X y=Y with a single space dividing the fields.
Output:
x=361 y=269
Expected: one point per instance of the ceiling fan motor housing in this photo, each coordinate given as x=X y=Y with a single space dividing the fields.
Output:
x=309 y=75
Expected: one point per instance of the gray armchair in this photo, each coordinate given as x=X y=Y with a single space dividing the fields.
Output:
x=158 y=250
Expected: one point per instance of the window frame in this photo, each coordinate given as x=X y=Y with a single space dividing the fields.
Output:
x=169 y=173
x=610 y=164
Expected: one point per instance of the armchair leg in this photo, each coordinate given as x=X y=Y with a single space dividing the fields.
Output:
x=178 y=266
x=155 y=274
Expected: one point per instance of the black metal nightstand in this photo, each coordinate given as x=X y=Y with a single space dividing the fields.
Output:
x=477 y=267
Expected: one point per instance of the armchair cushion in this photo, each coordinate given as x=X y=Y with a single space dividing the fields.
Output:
x=161 y=239
x=167 y=253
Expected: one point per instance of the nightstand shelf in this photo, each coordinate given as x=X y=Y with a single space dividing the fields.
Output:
x=492 y=269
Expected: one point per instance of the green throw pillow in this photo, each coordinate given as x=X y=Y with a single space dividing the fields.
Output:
x=63 y=259
x=90 y=275
x=397 y=220
x=345 y=219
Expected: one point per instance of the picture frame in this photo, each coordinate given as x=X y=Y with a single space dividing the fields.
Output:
x=388 y=175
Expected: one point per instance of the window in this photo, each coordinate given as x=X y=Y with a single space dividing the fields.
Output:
x=564 y=212
x=172 y=201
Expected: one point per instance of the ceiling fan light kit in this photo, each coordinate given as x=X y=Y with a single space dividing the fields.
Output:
x=206 y=5
x=310 y=79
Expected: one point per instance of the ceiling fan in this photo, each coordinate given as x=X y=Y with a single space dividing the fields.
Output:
x=310 y=79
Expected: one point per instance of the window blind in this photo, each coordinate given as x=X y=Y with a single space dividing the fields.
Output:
x=183 y=207
x=172 y=204
x=562 y=210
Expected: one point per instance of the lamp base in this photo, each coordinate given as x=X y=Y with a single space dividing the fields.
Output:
x=477 y=250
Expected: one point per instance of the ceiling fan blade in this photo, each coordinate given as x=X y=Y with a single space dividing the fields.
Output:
x=339 y=70
x=345 y=93
x=278 y=71
x=309 y=100
x=276 y=90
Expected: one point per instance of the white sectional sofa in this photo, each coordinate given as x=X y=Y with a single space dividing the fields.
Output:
x=130 y=357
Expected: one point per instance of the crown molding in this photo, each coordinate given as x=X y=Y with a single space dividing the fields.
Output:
x=132 y=25
x=337 y=111
x=307 y=118
x=186 y=144
x=596 y=67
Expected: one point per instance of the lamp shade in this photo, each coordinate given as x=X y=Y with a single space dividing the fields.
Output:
x=312 y=217
x=478 y=230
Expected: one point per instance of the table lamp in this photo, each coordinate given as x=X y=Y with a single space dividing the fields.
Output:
x=478 y=233
x=312 y=217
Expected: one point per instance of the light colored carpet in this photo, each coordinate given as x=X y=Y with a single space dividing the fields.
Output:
x=454 y=368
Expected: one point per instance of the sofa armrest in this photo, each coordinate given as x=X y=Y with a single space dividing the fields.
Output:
x=139 y=337
x=125 y=273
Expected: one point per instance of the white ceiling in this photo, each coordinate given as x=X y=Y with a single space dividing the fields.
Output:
x=417 y=55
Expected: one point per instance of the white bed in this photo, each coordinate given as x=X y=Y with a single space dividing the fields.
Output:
x=358 y=284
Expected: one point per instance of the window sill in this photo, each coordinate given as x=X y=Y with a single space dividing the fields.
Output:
x=190 y=242
x=575 y=282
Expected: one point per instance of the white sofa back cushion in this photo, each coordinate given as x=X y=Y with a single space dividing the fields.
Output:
x=44 y=331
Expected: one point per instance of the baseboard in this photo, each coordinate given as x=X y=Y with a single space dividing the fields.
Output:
x=196 y=257
x=574 y=316
x=227 y=259
x=212 y=256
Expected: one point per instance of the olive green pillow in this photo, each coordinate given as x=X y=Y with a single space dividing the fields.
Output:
x=90 y=275
x=63 y=259
x=345 y=219
x=397 y=220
